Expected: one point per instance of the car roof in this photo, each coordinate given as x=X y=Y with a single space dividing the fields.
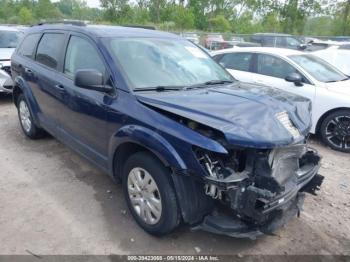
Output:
x=103 y=30
x=269 y=50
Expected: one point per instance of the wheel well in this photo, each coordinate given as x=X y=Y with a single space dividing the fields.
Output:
x=15 y=93
x=323 y=117
x=122 y=154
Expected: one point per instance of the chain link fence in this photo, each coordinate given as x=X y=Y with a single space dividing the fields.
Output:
x=215 y=41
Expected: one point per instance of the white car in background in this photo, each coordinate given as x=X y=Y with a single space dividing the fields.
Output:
x=337 y=55
x=9 y=38
x=303 y=74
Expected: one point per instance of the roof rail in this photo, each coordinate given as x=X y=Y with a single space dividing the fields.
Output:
x=66 y=22
x=149 y=27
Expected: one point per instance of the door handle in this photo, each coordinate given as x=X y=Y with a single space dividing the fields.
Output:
x=59 y=87
x=28 y=71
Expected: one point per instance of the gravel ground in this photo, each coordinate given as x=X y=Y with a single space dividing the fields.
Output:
x=53 y=202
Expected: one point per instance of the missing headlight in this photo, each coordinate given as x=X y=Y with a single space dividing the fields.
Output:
x=220 y=168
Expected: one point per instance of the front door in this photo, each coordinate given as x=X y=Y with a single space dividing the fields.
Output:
x=84 y=122
x=272 y=71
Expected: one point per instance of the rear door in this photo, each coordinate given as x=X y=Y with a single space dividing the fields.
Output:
x=238 y=64
x=45 y=85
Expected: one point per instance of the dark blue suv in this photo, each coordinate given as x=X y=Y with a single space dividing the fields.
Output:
x=189 y=143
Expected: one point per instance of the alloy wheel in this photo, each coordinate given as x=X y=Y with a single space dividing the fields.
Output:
x=144 y=195
x=338 y=132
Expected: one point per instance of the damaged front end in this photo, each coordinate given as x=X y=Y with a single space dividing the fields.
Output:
x=249 y=165
x=257 y=191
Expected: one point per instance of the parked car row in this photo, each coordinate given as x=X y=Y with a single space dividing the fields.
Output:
x=189 y=143
x=217 y=41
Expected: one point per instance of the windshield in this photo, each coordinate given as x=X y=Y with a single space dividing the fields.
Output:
x=318 y=68
x=9 y=39
x=151 y=62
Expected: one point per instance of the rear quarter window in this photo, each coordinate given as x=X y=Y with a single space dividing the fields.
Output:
x=27 y=48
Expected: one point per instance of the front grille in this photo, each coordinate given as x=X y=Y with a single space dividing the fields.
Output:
x=7 y=69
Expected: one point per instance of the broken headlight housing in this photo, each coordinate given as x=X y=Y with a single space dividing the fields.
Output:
x=223 y=171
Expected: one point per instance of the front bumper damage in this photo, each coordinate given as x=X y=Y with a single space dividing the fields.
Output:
x=265 y=195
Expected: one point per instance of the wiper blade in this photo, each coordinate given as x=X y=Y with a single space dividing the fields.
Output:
x=209 y=83
x=218 y=82
x=159 y=88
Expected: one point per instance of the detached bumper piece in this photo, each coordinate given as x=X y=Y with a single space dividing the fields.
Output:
x=270 y=192
x=224 y=224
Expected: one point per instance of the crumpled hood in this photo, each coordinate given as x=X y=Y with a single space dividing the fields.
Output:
x=6 y=53
x=244 y=113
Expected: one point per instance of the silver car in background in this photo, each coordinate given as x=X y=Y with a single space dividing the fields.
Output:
x=9 y=38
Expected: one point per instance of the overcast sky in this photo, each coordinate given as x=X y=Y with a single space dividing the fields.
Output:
x=96 y=3
x=93 y=3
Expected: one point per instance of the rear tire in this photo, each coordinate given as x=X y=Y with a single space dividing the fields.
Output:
x=26 y=119
x=335 y=131
x=149 y=194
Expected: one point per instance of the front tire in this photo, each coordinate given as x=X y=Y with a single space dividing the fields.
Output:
x=149 y=194
x=26 y=119
x=335 y=131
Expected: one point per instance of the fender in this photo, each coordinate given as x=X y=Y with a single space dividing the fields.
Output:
x=149 y=139
x=21 y=84
x=192 y=206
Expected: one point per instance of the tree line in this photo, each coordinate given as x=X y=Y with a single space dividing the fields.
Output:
x=302 y=17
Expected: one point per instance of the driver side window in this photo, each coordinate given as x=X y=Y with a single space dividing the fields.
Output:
x=81 y=55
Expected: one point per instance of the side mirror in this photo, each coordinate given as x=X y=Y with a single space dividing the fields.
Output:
x=91 y=79
x=294 y=78
x=302 y=47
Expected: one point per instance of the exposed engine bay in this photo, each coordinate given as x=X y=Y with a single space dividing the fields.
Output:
x=258 y=186
x=248 y=191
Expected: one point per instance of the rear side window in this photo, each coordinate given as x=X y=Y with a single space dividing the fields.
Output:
x=28 y=45
x=268 y=41
x=237 y=61
x=280 y=41
x=81 y=54
x=50 y=49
